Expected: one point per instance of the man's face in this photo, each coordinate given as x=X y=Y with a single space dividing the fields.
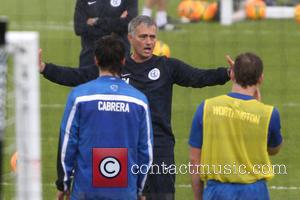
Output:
x=143 y=42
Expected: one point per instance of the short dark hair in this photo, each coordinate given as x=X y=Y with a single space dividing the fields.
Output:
x=247 y=69
x=110 y=52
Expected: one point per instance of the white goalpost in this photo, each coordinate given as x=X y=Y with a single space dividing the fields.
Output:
x=23 y=46
x=228 y=15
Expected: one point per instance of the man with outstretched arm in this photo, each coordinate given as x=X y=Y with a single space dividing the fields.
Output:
x=155 y=77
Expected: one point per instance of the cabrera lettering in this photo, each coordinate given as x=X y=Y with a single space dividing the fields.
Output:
x=113 y=106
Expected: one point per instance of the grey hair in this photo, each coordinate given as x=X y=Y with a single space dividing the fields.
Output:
x=140 y=19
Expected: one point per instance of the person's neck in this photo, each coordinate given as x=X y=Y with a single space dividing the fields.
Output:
x=250 y=90
x=106 y=73
x=138 y=59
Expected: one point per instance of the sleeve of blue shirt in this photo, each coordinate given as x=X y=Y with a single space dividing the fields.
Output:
x=69 y=139
x=197 y=128
x=274 y=135
x=145 y=143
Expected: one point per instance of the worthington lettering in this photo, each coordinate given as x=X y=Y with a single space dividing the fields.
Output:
x=236 y=114
x=113 y=106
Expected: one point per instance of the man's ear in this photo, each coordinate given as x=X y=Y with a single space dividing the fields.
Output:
x=129 y=36
x=123 y=61
x=232 y=77
x=261 y=79
x=96 y=61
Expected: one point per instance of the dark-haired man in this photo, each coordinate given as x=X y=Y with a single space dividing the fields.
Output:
x=105 y=131
x=232 y=137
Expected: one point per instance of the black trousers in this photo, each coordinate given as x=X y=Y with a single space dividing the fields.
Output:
x=160 y=184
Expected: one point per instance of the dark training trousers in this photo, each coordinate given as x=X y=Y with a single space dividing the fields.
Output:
x=160 y=185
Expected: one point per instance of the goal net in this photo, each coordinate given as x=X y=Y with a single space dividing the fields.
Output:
x=232 y=11
x=20 y=115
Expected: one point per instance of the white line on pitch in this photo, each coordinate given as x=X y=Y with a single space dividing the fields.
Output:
x=46 y=25
x=52 y=105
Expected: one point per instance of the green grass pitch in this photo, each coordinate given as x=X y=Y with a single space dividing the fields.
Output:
x=199 y=44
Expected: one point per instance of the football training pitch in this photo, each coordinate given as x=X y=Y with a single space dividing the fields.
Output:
x=199 y=44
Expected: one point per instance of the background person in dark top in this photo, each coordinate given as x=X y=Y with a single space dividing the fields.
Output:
x=154 y=76
x=96 y=18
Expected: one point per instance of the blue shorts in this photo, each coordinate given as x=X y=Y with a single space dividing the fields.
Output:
x=216 y=190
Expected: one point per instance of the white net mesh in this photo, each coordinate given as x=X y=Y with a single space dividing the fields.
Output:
x=7 y=121
x=20 y=117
